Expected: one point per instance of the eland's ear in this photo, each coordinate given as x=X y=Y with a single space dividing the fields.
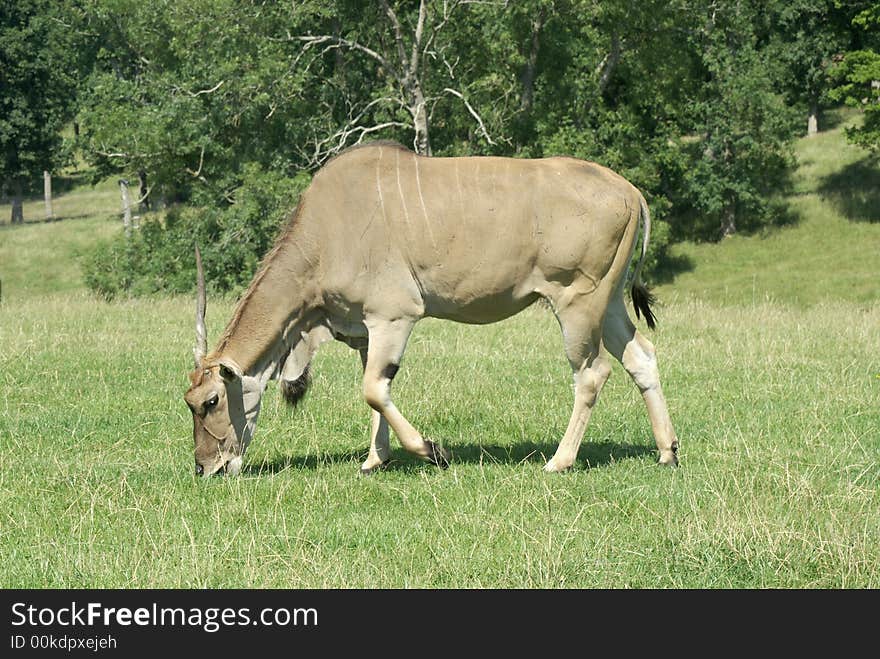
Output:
x=229 y=370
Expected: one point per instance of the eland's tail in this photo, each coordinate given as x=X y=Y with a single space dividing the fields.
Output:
x=642 y=298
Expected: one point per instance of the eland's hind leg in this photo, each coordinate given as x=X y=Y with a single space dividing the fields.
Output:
x=637 y=355
x=582 y=336
x=386 y=345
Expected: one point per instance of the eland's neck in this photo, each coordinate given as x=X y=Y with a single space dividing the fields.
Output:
x=277 y=306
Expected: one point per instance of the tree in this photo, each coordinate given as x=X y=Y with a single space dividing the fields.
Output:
x=738 y=128
x=204 y=100
x=858 y=79
x=408 y=47
x=42 y=54
x=802 y=37
x=186 y=95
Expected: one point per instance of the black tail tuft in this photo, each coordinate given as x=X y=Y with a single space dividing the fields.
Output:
x=293 y=391
x=642 y=301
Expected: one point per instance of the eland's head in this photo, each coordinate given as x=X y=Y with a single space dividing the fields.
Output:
x=224 y=403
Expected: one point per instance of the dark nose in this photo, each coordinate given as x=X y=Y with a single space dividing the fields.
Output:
x=199 y=469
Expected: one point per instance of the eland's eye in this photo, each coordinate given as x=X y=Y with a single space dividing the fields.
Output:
x=211 y=402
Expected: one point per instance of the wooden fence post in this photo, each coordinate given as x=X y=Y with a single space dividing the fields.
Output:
x=126 y=206
x=47 y=194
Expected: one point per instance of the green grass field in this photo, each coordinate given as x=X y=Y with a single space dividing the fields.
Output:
x=769 y=354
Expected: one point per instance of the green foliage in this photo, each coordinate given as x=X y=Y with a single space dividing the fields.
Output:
x=858 y=77
x=800 y=38
x=42 y=54
x=159 y=256
x=695 y=102
x=191 y=93
x=743 y=157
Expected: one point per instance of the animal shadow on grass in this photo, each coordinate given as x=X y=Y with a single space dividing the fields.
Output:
x=311 y=461
x=855 y=190
x=591 y=456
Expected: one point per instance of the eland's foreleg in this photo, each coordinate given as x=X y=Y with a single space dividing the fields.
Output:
x=582 y=336
x=380 y=449
x=386 y=345
x=637 y=355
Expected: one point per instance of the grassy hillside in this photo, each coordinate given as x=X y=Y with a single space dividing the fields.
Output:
x=42 y=257
x=777 y=409
x=830 y=252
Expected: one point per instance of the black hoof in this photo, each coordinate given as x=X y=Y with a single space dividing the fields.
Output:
x=439 y=456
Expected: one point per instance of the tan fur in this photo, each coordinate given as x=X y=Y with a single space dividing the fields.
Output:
x=384 y=237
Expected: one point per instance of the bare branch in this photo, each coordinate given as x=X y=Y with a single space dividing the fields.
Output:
x=208 y=91
x=449 y=8
x=198 y=174
x=145 y=195
x=398 y=31
x=473 y=113
x=449 y=67
x=339 y=42
x=447 y=14
x=354 y=128
x=417 y=41
x=341 y=139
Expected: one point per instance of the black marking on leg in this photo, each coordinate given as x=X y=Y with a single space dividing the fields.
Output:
x=390 y=371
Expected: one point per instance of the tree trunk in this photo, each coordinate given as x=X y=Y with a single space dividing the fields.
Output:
x=419 y=113
x=609 y=64
x=531 y=69
x=126 y=206
x=144 y=192
x=813 y=119
x=17 y=212
x=728 y=220
x=47 y=194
